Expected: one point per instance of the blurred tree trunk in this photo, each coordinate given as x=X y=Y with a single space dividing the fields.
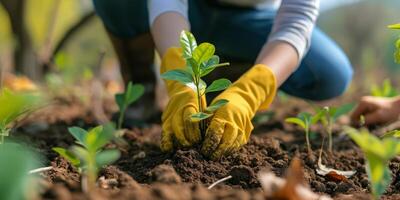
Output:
x=25 y=59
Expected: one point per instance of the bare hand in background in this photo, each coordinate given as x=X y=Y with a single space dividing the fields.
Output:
x=377 y=110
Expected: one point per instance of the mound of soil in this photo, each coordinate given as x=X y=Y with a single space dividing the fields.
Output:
x=144 y=172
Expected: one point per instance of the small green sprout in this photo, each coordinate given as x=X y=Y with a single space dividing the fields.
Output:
x=200 y=61
x=397 y=44
x=132 y=93
x=14 y=105
x=88 y=155
x=328 y=117
x=305 y=120
x=377 y=153
x=386 y=90
x=16 y=161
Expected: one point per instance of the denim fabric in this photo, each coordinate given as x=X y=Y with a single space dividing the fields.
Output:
x=239 y=34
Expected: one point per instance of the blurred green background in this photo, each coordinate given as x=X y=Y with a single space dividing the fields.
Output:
x=360 y=27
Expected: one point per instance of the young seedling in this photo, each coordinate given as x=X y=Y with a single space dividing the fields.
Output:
x=200 y=61
x=377 y=153
x=397 y=44
x=132 y=93
x=386 y=90
x=14 y=105
x=328 y=117
x=88 y=154
x=305 y=120
x=15 y=183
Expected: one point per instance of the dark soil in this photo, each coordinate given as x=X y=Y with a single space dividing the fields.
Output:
x=144 y=172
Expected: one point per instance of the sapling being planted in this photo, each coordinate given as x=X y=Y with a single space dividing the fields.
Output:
x=200 y=61
x=377 y=153
x=328 y=117
x=88 y=154
x=132 y=93
x=304 y=120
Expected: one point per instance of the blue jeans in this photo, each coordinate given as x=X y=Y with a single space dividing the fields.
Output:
x=239 y=34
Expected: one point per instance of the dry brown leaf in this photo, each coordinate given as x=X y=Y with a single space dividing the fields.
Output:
x=19 y=83
x=291 y=188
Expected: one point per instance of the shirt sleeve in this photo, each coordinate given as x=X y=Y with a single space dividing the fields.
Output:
x=294 y=23
x=158 y=7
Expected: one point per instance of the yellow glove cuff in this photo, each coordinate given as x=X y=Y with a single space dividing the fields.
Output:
x=263 y=84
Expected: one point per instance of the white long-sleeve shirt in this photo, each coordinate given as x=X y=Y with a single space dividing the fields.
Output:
x=293 y=23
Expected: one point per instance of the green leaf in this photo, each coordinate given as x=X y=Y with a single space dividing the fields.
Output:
x=193 y=65
x=133 y=93
x=218 y=85
x=188 y=44
x=80 y=152
x=202 y=86
x=216 y=105
x=393 y=133
x=180 y=75
x=379 y=175
x=200 y=116
x=99 y=136
x=296 y=121
x=211 y=68
x=203 y=52
x=68 y=156
x=15 y=104
x=79 y=134
x=107 y=157
x=394 y=26
x=342 y=110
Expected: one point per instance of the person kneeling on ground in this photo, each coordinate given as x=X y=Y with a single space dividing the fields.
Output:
x=276 y=39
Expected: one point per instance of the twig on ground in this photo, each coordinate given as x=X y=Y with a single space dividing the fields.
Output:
x=218 y=182
x=42 y=169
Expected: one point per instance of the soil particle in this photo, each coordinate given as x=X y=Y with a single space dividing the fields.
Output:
x=165 y=174
x=318 y=186
x=343 y=187
x=242 y=175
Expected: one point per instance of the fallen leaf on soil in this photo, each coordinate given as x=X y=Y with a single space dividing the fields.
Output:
x=291 y=188
x=333 y=174
x=18 y=83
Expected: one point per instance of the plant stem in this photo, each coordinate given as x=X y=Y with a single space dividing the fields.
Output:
x=308 y=141
x=91 y=171
x=330 y=147
x=200 y=103
x=120 y=118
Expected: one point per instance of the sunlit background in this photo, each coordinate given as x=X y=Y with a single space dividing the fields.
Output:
x=359 y=26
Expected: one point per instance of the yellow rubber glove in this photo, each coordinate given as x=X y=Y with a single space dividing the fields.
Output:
x=231 y=125
x=177 y=128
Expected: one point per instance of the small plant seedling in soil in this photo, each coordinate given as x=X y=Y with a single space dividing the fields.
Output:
x=377 y=153
x=386 y=90
x=200 y=61
x=132 y=93
x=305 y=120
x=88 y=154
x=14 y=105
x=328 y=117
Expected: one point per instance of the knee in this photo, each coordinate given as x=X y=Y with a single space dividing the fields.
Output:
x=336 y=81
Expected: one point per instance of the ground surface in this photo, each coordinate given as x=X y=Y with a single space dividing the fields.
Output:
x=143 y=172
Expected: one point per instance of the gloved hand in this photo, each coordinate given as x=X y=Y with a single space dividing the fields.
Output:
x=177 y=128
x=230 y=127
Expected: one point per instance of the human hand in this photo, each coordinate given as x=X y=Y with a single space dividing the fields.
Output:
x=376 y=110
